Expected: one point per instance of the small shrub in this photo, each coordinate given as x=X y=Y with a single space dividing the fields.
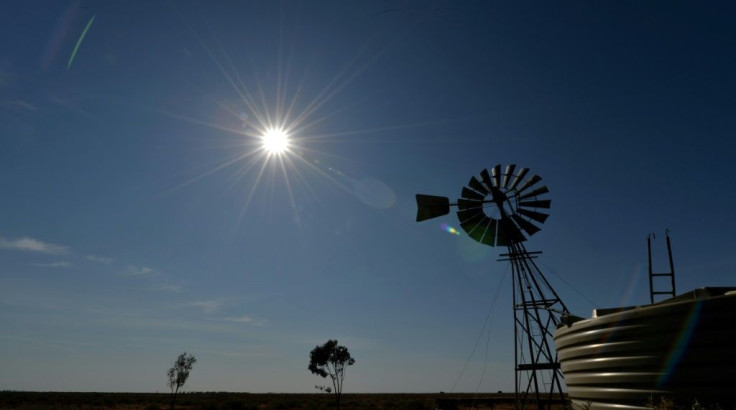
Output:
x=665 y=403
x=579 y=406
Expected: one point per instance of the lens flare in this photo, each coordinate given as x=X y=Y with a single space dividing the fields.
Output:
x=447 y=228
x=79 y=41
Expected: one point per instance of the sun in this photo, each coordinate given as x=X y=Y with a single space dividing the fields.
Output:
x=275 y=141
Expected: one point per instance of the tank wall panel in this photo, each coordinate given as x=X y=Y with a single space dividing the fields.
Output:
x=682 y=350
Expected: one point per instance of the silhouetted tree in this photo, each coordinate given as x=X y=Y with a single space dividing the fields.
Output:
x=331 y=359
x=179 y=374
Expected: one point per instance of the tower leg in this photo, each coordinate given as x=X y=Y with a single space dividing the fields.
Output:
x=536 y=308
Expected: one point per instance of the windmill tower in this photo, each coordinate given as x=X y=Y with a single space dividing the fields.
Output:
x=503 y=208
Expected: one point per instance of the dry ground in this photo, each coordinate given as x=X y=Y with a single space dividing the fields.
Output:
x=248 y=401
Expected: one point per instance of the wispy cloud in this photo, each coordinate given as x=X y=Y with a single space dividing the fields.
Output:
x=225 y=304
x=70 y=105
x=18 y=105
x=152 y=279
x=168 y=288
x=134 y=270
x=99 y=259
x=57 y=264
x=32 y=245
x=240 y=319
x=208 y=306
x=39 y=343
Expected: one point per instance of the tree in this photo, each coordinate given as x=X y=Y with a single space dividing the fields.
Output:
x=179 y=374
x=330 y=359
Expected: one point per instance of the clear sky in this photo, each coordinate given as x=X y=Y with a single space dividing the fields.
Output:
x=141 y=218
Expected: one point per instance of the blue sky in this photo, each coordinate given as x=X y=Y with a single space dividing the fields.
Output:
x=141 y=218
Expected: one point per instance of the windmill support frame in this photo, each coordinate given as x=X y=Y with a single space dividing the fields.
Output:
x=502 y=208
x=536 y=306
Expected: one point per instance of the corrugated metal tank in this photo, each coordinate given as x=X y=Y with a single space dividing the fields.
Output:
x=683 y=348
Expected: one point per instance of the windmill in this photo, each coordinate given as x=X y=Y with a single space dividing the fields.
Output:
x=504 y=208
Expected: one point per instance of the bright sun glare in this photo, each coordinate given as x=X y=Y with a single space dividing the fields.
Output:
x=275 y=141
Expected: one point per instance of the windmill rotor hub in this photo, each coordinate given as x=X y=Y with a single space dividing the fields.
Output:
x=498 y=197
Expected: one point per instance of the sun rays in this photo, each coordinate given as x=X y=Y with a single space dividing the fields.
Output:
x=271 y=130
x=267 y=132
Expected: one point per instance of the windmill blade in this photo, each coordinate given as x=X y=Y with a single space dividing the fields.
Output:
x=537 y=216
x=430 y=206
x=516 y=234
x=501 y=238
x=539 y=191
x=468 y=193
x=519 y=177
x=469 y=209
x=486 y=180
x=465 y=216
x=477 y=186
x=491 y=233
x=533 y=180
x=496 y=172
x=496 y=193
x=477 y=234
x=475 y=226
x=507 y=175
x=527 y=226
x=469 y=217
x=463 y=204
x=508 y=233
x=536 y=204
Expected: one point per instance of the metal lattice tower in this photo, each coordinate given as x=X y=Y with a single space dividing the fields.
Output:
x=502 y=209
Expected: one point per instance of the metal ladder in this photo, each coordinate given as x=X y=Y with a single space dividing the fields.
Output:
x=670 y=274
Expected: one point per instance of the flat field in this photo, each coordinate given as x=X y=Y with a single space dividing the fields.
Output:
x=250 y=401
